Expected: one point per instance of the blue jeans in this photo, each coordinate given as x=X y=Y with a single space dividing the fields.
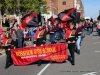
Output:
x=78 y=42
x=90 y=30
x=56 y=35
x=20 y=42
x=83 y=34
x=61 y=33
x=32 y=38
x=52 y=38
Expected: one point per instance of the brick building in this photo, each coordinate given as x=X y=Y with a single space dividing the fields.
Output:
x=57 y=6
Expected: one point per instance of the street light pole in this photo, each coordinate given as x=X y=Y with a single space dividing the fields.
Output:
x=18 y=3
x=52 y=9
x=75 y=2
x=41 y=10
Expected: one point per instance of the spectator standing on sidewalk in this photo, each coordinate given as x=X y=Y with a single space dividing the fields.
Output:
x=32 y=33
x=20 y=36
x=14 y=37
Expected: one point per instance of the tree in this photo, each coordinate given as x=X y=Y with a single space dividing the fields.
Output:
x=23 y=6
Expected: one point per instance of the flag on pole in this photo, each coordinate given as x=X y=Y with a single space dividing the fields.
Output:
x=67 y=15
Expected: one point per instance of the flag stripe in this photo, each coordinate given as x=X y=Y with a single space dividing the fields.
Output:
x=65 y=18
x=26 y=20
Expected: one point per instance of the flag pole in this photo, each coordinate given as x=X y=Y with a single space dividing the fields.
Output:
x=75 y=15
x=75 y=5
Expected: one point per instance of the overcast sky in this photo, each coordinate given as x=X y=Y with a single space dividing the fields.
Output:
x=91 y=8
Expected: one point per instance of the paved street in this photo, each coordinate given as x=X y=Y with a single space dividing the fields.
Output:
x=87 y=62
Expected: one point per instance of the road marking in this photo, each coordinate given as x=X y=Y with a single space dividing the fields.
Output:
x=96 y=38
x=44 y=68
x=92 y=73
x=96 y=43
x=97 y=51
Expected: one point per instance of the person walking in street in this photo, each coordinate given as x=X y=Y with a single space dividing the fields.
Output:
x=38 y=39
x=78 y=42
x=90 y=28
x=8 y=46
x=71 y=38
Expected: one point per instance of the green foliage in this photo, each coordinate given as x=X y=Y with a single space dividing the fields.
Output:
x=23 y=6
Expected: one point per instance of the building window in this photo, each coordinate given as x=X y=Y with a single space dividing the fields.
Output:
x=64 y=2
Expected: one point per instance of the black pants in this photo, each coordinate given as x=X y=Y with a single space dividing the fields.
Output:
x=8 y=58
x=39 y=41
x=71 y=48
x=15 y=43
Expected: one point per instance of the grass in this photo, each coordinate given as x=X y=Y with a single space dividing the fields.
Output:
x=4 y=29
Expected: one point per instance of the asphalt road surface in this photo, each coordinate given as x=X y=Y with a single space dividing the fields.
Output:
x=87 y=63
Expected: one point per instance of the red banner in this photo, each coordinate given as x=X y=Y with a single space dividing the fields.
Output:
x=50 y=52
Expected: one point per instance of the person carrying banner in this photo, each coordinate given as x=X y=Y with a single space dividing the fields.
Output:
x=38 y=39
x=71 y=38
x=8 y=46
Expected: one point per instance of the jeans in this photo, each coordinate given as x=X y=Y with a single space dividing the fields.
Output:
x=61 y=33
x=52 y=38
x=90 y=30
x=78 y=42
x=20 y=42
x=82 y=35
x=56 y=35
x=32 y=38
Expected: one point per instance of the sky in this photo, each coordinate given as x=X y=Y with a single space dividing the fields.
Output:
x=91 y=8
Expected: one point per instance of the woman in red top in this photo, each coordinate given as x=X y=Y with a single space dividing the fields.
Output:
x=71 y=38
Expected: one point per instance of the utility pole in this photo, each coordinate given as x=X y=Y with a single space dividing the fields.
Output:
x=52 y=9
x=18 y=4
x=75 y=3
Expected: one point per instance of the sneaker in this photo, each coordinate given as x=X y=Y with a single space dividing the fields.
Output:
x=78 y=52
x=72 y=63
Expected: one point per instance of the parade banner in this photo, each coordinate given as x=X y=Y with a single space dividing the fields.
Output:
x=50 y=52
